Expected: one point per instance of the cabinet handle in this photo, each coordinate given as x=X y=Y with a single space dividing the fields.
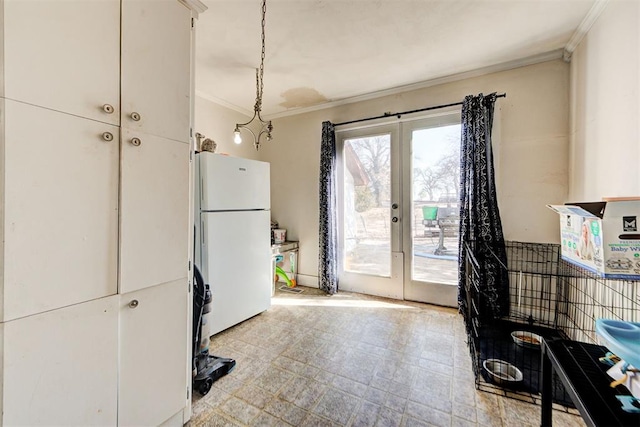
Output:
x=108 y=108
x=136 y=142
x=107 y=136
x=394 y=219
x=135 y=117
x=134 y=303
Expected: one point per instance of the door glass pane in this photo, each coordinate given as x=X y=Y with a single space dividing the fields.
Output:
x=435 y=204
x=367 y=186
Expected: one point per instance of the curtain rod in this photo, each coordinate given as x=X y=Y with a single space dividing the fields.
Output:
x=398 y=115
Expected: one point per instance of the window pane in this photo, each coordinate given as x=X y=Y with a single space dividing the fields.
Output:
x=435 y=194
x=367 y=185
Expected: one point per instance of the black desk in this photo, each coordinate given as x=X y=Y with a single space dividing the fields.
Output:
x=586 y=382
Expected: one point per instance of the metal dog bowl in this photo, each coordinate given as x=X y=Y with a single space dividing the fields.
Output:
x=526 y=339
x=502 y=372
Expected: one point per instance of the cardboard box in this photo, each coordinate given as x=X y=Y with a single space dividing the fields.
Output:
x=602 y=237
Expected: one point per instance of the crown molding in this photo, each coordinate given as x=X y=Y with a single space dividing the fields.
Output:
x=224 y=103
x=584 y=28
x=505 y=66
x=195 y=5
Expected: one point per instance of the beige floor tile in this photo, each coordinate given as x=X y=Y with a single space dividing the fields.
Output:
x=389 y=418
x=294 y=415
x=254 y=395
x=239 y=410
x=366 y=415
x=337 y=406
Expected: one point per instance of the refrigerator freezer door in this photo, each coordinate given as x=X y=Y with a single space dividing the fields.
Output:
x=233 y=183
x=237 y=265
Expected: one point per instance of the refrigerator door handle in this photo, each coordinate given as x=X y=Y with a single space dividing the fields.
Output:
x=201 y=190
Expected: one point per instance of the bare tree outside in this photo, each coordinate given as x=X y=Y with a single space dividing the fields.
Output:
x=427 y=182
x=449 y=174
x=441 y=180
x=373 y=153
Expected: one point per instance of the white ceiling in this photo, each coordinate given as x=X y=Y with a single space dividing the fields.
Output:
x=319 y=51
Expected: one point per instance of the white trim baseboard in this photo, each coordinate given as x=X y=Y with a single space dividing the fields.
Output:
x=309 y=281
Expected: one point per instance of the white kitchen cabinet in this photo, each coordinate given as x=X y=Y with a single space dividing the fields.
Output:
x=156 y=73
x=60 y=209
x=154 y=238
x=61 y=367
x=86 y=214
x=63 y=55
x=153 y=350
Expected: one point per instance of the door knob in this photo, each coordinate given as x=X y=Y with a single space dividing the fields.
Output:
x=394 y=219
x=107 y=108
x=394 y=206
x=134 y=303
x=135 y=117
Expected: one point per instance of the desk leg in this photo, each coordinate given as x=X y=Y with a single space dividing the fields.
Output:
x=547 y=391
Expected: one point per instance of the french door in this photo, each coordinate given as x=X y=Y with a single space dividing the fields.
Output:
x=431 y=202
x=398 y=209
x=370 y=211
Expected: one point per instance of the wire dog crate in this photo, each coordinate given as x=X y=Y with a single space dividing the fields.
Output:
x=549 y=298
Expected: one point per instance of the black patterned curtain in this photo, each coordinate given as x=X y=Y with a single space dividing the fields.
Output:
x=479 y=215
x=328 y=256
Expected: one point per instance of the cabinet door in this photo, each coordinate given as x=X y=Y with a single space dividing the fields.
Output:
x=153 y=354
x=156 y=73
x=63 y=55
x=154 y=211
x=60 y=211
x=61 y=367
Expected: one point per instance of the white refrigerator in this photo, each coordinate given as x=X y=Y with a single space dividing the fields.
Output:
x=233 y=236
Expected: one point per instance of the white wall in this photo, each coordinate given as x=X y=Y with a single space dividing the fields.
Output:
x=531 y=145
x=605 y=106
x=217 y=122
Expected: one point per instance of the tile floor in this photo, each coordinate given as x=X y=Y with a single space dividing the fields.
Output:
x=353 y=360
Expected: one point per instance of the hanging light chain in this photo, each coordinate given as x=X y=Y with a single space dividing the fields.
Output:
x=260 y=71
x=264 y=13
x=266 y=126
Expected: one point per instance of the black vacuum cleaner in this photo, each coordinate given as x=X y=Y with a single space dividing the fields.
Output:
x=206 y=368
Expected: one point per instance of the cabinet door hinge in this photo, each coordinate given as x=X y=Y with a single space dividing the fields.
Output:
x=192 y=22
x=188 y=393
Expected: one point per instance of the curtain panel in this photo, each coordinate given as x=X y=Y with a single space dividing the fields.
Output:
x=479 y=214
x=328 y=224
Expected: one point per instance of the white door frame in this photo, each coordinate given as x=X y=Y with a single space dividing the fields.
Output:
x=392 y=286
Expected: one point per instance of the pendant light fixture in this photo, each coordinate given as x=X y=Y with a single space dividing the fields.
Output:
x=265 y=126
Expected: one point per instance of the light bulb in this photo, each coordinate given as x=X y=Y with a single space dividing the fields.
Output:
x=236 y=136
